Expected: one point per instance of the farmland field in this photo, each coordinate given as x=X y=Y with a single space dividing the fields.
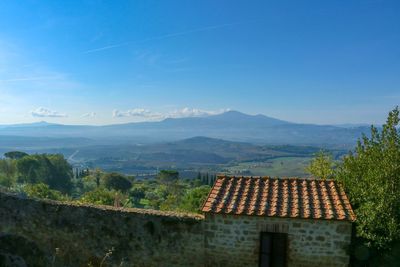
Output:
x=285 y=166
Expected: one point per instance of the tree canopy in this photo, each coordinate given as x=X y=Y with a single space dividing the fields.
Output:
x=116 y=181
x=99 y=196
x=15 y=155
x=371 y=177
x=50 y=169
x=168 y=176
x=41 y=190
x=194 y=198
x=321 y=166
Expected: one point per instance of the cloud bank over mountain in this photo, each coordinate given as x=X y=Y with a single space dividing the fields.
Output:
x=42 y=112
x=147 y=114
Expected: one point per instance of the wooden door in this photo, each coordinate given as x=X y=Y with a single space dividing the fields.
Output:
x=273 y=248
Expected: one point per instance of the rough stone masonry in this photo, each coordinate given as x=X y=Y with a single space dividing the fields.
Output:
x=39 y=232
x=234 y=240
x=314 y=215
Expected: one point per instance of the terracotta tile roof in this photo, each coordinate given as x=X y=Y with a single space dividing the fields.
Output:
x=279 y=197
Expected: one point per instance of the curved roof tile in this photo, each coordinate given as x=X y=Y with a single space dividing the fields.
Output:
x=279 y=197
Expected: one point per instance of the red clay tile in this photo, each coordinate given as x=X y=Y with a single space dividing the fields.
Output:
x=279 y=197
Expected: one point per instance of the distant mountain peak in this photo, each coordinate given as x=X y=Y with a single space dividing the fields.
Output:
x=231 y=125
x=233 y=113
x=28 y=125
x=42 y=123
x=238 y=116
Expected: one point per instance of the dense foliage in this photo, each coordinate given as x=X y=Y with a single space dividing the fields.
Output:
x=101 y=196
x=194 y=198
x=50 y=169
x=49 y=176
x=371 y=176
x=15 y=155
x=321 y=166
x=116 y=181
x=43 y=191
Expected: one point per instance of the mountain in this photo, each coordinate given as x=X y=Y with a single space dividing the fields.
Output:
x=27 y=125
x=354 y=125
x=231 y=125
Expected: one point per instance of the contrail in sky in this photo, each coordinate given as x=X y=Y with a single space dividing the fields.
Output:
x=170 y=35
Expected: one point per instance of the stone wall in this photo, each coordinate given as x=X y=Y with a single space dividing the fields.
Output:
x=43 y=232
x=232 y=240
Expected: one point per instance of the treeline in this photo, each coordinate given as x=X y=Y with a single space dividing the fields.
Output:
x=50 y=176
x=51 y=169
x=206 y=179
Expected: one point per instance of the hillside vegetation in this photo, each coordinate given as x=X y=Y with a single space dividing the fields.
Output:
x=49 y=176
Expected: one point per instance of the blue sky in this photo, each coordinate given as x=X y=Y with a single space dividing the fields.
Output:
x=100 y=62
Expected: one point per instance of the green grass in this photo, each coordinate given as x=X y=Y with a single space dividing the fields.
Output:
x=281 y=167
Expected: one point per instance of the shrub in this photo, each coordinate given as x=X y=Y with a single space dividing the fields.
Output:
x=103 y=196
x=43 y=191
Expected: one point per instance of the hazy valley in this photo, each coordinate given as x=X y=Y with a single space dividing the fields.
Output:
x=231 y=142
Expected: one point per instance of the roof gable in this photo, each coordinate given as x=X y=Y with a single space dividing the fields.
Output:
x=279 y=197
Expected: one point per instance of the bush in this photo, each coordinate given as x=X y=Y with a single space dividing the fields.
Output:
x=43 y=191
x=6 y=181
x=103 y=196
x=194 y=198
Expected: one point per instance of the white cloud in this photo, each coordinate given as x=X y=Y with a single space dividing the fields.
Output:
x=178 y=113
x=136 y=112
x=89 y=115
x=45 y=112
x=194 y=112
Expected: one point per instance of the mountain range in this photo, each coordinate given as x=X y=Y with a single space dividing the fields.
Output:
x=231 y=125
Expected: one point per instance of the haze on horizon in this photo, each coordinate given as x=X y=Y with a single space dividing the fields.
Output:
x=95 y=62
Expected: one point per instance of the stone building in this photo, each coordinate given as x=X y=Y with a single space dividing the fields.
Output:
x=247 y=221
x=263 y=221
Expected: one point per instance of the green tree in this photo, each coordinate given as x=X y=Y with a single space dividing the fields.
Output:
x=59 y=172
x=371 y=176
x=170 y=203
x=89 y=183
x=27 y=167
x=97 y=176
x=137 y=192
x=167 y=176
x=321 y=166
x=51 y=169
x=8 y=172
x=116 y=181
x=91 y=179
x=156 y=196
x=6 y=181
x=15 y=155
x=194 y=198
